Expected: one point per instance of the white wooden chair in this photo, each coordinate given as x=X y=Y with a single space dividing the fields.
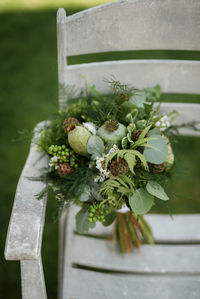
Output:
x=171 y=269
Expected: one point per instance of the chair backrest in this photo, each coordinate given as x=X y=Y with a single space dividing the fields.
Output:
x=132 y=25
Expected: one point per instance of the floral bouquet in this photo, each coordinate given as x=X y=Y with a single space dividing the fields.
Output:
x=110 y=155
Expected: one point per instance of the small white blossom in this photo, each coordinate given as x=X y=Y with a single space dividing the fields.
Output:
x=104 y=173
x=54 y=162
x=163 y=123
x=91 y=127
x=100 y=165
x=112 y=150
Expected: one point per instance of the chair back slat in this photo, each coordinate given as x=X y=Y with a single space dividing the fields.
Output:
x=174 y=76
x=134 y=25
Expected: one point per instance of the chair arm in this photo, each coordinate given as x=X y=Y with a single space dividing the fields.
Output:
x=25 y=230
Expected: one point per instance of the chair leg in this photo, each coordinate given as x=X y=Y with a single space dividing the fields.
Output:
x=62 y=226
x=32 y=279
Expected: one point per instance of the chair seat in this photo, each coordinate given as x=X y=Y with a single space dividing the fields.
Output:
x=170 y=269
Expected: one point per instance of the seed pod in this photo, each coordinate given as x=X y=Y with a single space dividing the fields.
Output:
x=78 y=139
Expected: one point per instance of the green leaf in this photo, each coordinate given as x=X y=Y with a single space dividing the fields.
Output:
x=138 y=98
x=95 y=146
x=158 y=152
x=154 y=131
x=144 y=132
x=157 y=190
x=130 y=159
x=141 y=157
x=141 y=142
x=131 y=127
x=141 y=201
x=128 y=106
x=141 y=124
x=82 y=223
x=110 y=218
x=84 y=196
x=124 y=142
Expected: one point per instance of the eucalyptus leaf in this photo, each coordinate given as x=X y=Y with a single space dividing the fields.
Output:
x=158 y=151
x=157 y=190
x=141 y=201
x=154 y=131
x=110 y=218
x=138 y=98
x=95 y=146
x=85 y=195
x=82 y=223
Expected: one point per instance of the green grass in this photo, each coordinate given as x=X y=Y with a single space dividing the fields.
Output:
x=28 y=94
x=6 y=5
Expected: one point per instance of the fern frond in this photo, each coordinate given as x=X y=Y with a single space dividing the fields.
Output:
x=144 y=132
x=129 y=156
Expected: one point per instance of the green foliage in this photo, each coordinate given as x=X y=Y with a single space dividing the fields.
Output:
x=85 y=194
x=138 y=98
x=95 y=146
x=123 y=185
x=158 y=151
x=109 y=218
x=141 y=201
x=129 y=156
x=82 y=223
x=157 y=190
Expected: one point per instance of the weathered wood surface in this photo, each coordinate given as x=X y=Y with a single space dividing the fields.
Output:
x=161 y=271
x=94 y=285
x=181 y=228
x=135 y=25
x=98 y=253
x=24 y=237
x=174 y=76
x=33 y=284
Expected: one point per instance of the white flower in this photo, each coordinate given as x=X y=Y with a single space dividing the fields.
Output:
x=112 y=150
x=91 y=127
x=100 y=165
x=104 y=173
x=54 y=162
x=163 y=123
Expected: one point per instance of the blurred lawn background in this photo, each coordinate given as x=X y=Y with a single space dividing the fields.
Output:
x=28 y=94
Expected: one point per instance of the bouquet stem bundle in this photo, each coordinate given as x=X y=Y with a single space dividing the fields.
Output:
x=131 y=231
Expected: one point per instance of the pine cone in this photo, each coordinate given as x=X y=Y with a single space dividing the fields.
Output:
x=156 y=168
x=70 y=123
x=119 y=167
x=136 y=134
x=65 y=168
